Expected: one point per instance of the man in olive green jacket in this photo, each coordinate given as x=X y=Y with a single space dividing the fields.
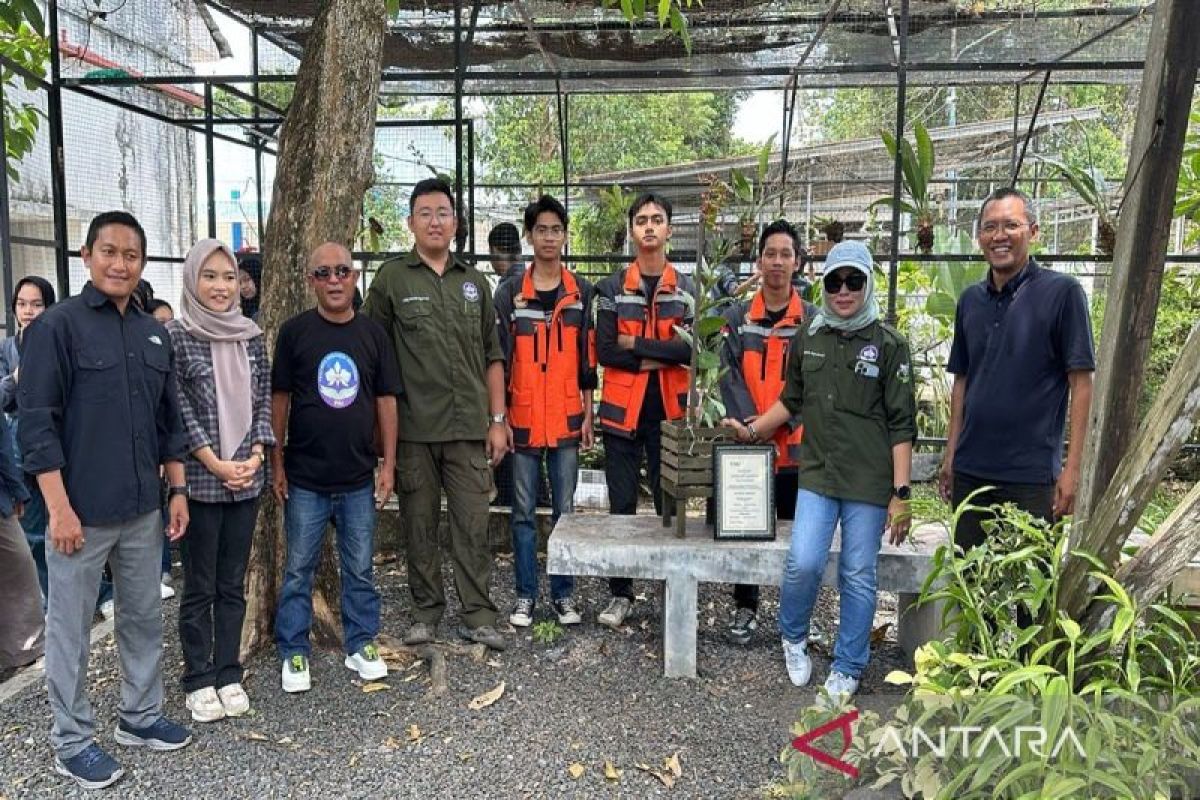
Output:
x=439 y=313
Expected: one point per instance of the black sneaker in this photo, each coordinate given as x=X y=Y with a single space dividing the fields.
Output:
x=567 y=613
x=162 y=734
x=745 y=623
x=91 y=768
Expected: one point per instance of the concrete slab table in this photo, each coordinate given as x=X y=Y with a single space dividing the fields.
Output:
x=640 y=547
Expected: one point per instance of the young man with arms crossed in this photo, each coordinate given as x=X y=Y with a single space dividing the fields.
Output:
x=645 y=367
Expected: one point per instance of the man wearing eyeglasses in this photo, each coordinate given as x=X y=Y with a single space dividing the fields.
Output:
x=333 y=381
x=1022 y=349
x=453 y=426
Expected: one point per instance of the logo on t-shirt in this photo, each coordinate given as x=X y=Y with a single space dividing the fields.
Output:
x=337 y=380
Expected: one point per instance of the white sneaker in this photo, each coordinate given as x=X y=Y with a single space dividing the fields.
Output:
x=367 y=663
x=205 y=705
x=166 y=591
x=234 y=700
x=615 y=613
x=108 y=609
x=295 y=676
x=840 y=687
x=522 y=613
x=799 y=665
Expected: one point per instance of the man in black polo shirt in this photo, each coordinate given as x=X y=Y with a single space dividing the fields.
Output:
x=99 y=417
x=1022 y=349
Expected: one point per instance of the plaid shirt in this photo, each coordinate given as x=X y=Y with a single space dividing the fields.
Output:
x=198 y=404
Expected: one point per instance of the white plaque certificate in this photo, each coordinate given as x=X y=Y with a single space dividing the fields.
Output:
x=744 y=490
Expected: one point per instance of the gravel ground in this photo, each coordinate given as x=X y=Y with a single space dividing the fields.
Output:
x=593 y=696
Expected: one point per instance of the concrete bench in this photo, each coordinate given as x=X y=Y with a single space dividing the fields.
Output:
x=640 y=547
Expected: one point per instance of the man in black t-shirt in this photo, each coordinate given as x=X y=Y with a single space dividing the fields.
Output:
x=334 y=378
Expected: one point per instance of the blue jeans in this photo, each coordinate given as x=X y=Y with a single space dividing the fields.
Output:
x=563 y=465
x=305 y=519
x=817 y=517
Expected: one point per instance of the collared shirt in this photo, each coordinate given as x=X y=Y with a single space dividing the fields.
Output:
x=98 y=401
x=444 y=331
x=198 y=406
x=1015 y=347
x=854 y=394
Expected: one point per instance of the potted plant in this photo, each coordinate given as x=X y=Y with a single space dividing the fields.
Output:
x=1089 y=183
x=916 y=171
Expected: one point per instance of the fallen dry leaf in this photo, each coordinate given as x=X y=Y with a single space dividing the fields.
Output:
x=414 y=733
x=576 y=770
x=878 y=635
x=374 y=686
x=285 y=740
x=665 y=778
x=611 y=773
x=672 y=764
x=255 y=736
x=464 y=757
x=353 y=760
x=392 y=743
x=487 y=698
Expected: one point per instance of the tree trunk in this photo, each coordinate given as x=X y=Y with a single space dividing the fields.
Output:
x=323 y=171
x=1168 y=81
x=1166 y=428
x=1175 y=543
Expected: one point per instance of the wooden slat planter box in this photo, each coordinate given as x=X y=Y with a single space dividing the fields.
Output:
x=686 y=468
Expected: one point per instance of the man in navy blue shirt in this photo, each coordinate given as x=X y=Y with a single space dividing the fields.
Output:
x=1022 y=354
x=99 y=416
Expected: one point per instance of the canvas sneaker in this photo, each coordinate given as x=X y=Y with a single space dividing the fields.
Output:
x=799 y=665
x=234 y=700
x=367 y=663
x=162 y=734
x=840 y=687
x=745 y=623
x=567 y=613
x=615 y=612
x=522 y=613
x=205 y=705
x=295 y=676
x=91 y=768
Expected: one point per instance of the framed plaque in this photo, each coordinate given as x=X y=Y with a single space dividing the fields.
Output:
x=744 y=491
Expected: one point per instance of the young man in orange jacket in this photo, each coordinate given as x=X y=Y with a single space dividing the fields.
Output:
x=645 y=367
x=758 y=338
x=544 y=321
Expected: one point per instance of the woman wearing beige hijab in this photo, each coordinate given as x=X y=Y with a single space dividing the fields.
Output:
x=225 y=397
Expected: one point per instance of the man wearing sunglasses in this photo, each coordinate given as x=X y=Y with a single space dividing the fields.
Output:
x=334 y=380
x=453 y=425
x=1022 y=348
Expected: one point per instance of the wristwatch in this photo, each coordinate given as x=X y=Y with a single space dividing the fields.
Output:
x=184 y=490
x=754 y=437
x=497 y=419
x=902 y=492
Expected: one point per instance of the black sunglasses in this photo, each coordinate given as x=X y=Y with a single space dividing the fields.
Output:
x=323 y=273
x=855 y=281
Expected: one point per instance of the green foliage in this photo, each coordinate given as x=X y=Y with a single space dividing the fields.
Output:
x=600 y=228
x=669 y=13
x=520 y=143
x=22 y=42
x=1187 y=195
x=1178 y=311
x=916 y=171
x=547 y=632
x=1127 y=695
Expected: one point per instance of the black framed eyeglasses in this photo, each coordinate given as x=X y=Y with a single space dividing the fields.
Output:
x=855 y=282
x=323 y=273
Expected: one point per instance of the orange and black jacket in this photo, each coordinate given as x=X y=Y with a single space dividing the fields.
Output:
x=755 y=355
x=624 y=307
x=549 y=359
